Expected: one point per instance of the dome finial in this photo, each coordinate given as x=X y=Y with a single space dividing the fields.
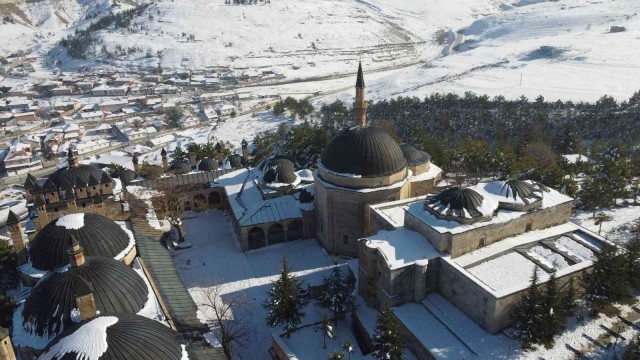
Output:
x=74 y=251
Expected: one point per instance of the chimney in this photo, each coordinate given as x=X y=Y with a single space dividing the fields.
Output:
x=245 y=150
x=85 y=302
x=136 y=165
x=192 y=158
x=72 y=159
x=165 y=160
x=74 y=252
x=218 y=148
x=360 y=104
x=6 y=347
x=13 y=223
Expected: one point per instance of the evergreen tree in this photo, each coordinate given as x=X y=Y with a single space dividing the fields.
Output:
x=632 y=257
x=8 y=267
x=346 y=346
x=606 y=283
x=388 y=339
x=179 y=155
x=7 y=306
x=528 y=314
x=553 y=317
x=633 y=349
x=568 y=299
x=337 y=295
x=336 y=355
x=594 y=194
x=286 y=301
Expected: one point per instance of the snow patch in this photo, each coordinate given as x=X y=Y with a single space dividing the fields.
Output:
x=71 y=221
x=89 y=342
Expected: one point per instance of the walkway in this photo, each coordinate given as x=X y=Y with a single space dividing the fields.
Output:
x=173 y=296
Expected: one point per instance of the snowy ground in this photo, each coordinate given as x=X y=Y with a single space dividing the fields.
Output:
x=216 y=260
x=619 y=228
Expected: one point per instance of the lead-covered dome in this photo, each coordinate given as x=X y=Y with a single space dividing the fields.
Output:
x=180 y=167
x=278 y=170
x=413 y=156
x=365 y=152
x=78 y=176
x=116 y=289
x=457 y=202
x=97 y=235
x=116 y=337
x=235 y=161
x=208 y=164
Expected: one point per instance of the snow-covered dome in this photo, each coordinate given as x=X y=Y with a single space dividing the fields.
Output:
x=363 y=151
x=116 y=289
x=515 y=191
x=116 y=337
x=208 y=164
x=97 y=235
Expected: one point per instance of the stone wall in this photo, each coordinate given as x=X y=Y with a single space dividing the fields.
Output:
x=343 y=216
x=462 y=243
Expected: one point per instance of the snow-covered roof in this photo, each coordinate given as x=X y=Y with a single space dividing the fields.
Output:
x=401 y=247
x=247 y=203
x=574 y=158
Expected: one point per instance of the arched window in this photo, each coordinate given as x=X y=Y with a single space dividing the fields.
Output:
x=256 y=238
x=200 y=202
x=294 y=230
x=276 y=234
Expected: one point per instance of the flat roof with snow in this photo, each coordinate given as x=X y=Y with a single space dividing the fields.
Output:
x=401 y=247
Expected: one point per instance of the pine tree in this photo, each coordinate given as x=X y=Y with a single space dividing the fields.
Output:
x=285 y=302
x=337 y=294
x=568 y=299
x=388 y=339
x=633 y=349
x=346 y=346
x=7 y=306
x=553 y=317
x=179 y=155
x=336 y=355
x=607 y=283
x=327 y=330
x=528 y=314
x=632 y=257
x=8 y=267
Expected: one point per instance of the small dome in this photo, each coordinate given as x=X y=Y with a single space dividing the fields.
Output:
x=116 y=289
x=306 y=197
x=520 y=191
x=97 y=235
x=78 y=176
x=363 y=151
x=414 y=156
x=457 y=201
x=125 y=175
x=180 y=167
x=208 y=164
x=236 y=161
x=278 y=170
x=116 y=337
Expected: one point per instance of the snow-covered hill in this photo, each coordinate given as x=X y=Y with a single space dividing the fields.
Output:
x=560 y=49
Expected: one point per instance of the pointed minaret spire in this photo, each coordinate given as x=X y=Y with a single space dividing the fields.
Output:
x=72 y=159
x=74 y=252
x=360 y=104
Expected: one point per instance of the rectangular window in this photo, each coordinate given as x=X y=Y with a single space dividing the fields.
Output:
x=481 y=242
x=345 y=239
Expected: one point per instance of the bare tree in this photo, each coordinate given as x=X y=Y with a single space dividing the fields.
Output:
x=228 y=318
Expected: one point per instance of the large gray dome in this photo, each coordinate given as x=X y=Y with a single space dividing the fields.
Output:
x=363 y=151
x=97 y=235
x=414 y=156
x=116 y=289
x=128 y=337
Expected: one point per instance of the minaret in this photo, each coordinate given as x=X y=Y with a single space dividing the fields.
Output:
x=218 y=148
x=192 y=158
x=72 y=159
x=360 y=104
x=6 y=348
